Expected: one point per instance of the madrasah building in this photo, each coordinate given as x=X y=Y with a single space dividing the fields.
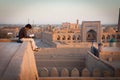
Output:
x=73 y=33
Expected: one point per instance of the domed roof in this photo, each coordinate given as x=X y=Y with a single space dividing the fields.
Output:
x=109 y=30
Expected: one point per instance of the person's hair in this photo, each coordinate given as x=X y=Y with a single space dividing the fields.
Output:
x=28 y=26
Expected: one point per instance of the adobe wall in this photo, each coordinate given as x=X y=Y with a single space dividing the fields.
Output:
x=93 y=69
x=47 y=38
x=60 y=58
x=118 y=44
x=115 y=44
x=22 y=66
x=62 y=50
x=77 y=45
x=110 y=52
x=92 y=62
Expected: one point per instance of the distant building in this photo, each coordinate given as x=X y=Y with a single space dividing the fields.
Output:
x=11 y=32
x=89 y=31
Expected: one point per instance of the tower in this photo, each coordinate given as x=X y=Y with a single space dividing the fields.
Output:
x=77 y=23
x=119 y=21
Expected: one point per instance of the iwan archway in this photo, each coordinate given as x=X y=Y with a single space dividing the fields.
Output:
x=91 y=31
x=91 y=36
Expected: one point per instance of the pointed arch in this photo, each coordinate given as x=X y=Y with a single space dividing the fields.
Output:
x=91 y=36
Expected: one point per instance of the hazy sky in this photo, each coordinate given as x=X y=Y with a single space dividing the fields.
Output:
x=58 y=11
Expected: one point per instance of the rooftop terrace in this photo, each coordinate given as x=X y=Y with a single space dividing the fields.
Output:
x=17 y=62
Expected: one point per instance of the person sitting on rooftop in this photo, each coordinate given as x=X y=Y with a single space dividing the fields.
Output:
x=22 y=36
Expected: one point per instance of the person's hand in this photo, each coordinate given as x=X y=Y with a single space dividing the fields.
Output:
x=31 y=35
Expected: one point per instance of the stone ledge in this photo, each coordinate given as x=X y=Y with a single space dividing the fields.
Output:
x=8 y=40
x=22 y=65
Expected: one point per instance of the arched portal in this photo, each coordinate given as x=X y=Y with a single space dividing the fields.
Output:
x=58 y=37
x=69 y=37
x=79 y=37
x=108 y=37
x=74 y=37
x=63 y=38
x=91 y=36
x=103 y=38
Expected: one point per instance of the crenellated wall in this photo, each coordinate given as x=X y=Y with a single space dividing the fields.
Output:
x=71 y=62
x=63 y=59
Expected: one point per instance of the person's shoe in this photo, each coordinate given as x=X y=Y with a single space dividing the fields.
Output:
x=37 y=49
x=19 y=41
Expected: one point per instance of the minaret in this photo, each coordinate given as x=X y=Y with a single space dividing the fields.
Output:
x=77 y=23
x=119 y=21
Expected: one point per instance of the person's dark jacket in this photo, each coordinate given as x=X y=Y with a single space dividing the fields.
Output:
x=22 y=33
x=95 y=51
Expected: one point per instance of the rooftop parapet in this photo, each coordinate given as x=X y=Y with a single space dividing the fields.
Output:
x=17 y=61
